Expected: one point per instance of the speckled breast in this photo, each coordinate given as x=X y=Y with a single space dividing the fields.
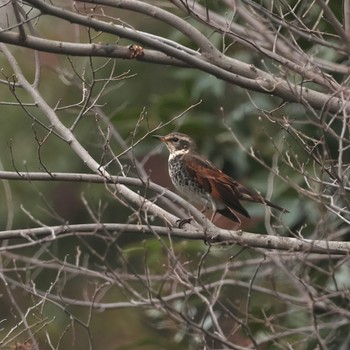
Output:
x=185 y=181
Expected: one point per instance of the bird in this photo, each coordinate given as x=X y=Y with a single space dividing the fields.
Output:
x=203 y=183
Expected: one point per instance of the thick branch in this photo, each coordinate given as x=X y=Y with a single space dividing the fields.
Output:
x=212 y=235
x=209 y=233
x=86 y=50
x=230 y=70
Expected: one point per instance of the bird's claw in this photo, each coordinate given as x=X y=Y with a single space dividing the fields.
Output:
x=182 y=222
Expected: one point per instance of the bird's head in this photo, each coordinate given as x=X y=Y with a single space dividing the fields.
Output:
x=178 y=143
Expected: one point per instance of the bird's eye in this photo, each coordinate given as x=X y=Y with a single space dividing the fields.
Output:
x=175 y=139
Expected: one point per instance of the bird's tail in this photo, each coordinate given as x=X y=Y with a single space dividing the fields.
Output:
x=245 y=193
x=270 y=204
x=230 y=214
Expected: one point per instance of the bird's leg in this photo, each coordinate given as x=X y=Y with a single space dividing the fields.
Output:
x=213 y=216
x=181 y=222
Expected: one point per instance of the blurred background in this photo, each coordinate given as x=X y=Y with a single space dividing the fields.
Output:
x=153 y=293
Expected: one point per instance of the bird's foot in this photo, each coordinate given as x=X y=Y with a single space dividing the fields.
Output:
x=208 y=240
x=182 y=222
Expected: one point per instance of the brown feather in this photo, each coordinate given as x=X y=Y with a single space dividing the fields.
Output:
x=215 y=182
x=197 y=177
x=229 y=214
x=223 y=187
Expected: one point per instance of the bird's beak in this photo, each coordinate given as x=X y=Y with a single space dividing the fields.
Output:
x=160 y=138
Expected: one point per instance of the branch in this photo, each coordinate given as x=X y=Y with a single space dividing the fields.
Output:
x=67 y=135
x=216 y=235
x=336 y=24
x=221 y=66
x=87 y=50
x=121 y=180
x=209 y=233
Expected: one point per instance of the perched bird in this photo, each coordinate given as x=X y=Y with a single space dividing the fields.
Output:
x=205 y=184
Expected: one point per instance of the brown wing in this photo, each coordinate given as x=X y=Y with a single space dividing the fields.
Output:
x=222 y=186
x=215 y=182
